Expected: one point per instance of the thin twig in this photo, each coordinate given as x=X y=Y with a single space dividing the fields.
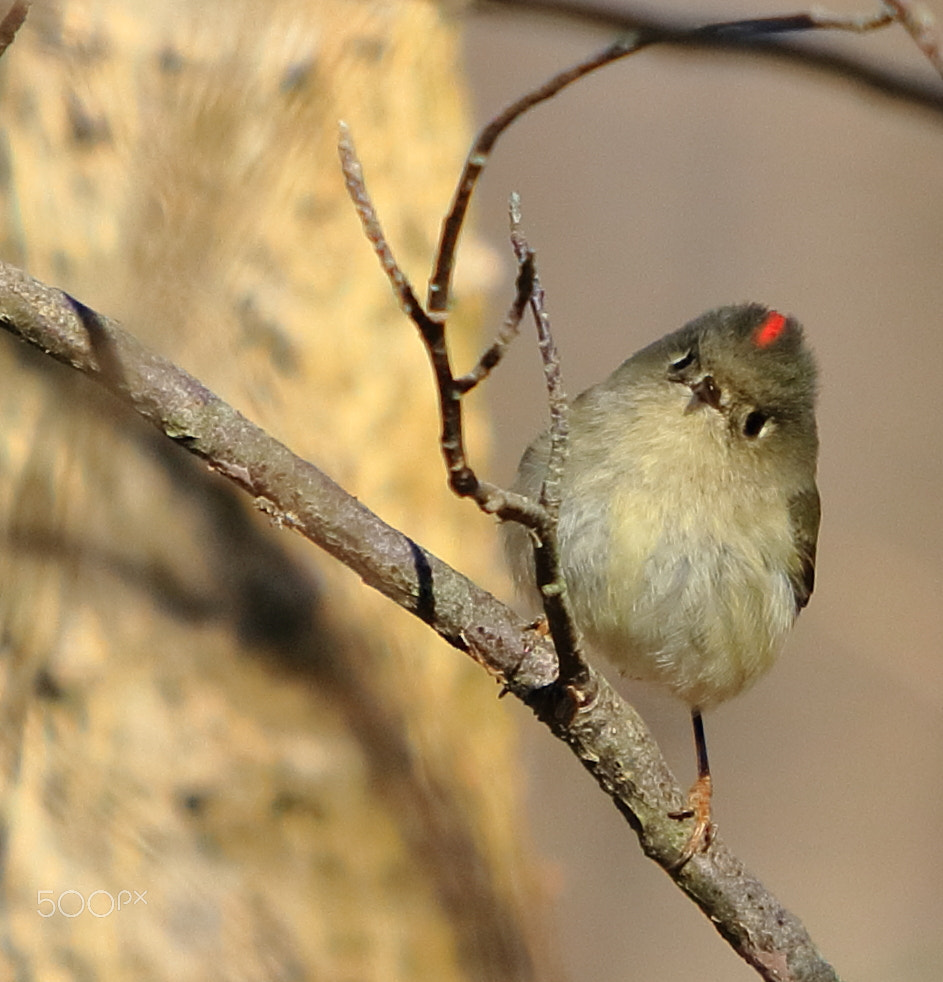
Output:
x=920 y=24
x=493 y=500
x=550 y=358
x=11 y=23
x=440 y=284
x=761 y=37
x=756 y=35
x=432 y=330
x=624 y=16
x=357 y=190
x=813 y=20
x=574 y=674
x=493 y=354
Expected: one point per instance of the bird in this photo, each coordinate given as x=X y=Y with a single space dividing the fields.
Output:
x=689 y=512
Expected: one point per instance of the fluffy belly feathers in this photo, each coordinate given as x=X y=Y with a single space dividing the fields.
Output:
x=695 y=606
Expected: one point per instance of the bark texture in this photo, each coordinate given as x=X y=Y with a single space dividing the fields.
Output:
x=302 y=780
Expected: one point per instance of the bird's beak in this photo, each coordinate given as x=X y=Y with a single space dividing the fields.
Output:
x=704 y=392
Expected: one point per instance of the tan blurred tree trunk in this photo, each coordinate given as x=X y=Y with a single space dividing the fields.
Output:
x=304 y=783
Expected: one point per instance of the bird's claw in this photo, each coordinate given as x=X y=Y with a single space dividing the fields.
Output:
x=699 y=808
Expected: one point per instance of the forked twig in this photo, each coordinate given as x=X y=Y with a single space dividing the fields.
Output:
x=432 y=330
x=462 y=479
x=506 y=505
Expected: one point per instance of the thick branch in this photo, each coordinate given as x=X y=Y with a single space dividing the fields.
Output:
x=606 y=735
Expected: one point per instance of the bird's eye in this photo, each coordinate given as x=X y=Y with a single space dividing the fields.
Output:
x=754 y=423
x=685 y=361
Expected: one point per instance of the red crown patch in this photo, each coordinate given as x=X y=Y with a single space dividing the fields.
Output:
x=770 y=330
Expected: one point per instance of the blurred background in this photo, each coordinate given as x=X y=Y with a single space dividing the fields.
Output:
x=660 y=186
x=306 y=782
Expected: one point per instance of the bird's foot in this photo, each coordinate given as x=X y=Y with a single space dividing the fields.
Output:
x=540 y=626
x=699 y=808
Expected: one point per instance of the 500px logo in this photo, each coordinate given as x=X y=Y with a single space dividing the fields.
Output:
x=99 y=903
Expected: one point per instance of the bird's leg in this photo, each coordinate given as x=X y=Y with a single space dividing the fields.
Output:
x=699 y=797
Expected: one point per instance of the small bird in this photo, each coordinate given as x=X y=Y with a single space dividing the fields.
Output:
x=689 y=511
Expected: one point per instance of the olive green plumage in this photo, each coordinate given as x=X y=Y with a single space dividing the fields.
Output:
x=689 y=511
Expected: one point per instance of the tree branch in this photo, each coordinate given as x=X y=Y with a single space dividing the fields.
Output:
x=606 y=735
